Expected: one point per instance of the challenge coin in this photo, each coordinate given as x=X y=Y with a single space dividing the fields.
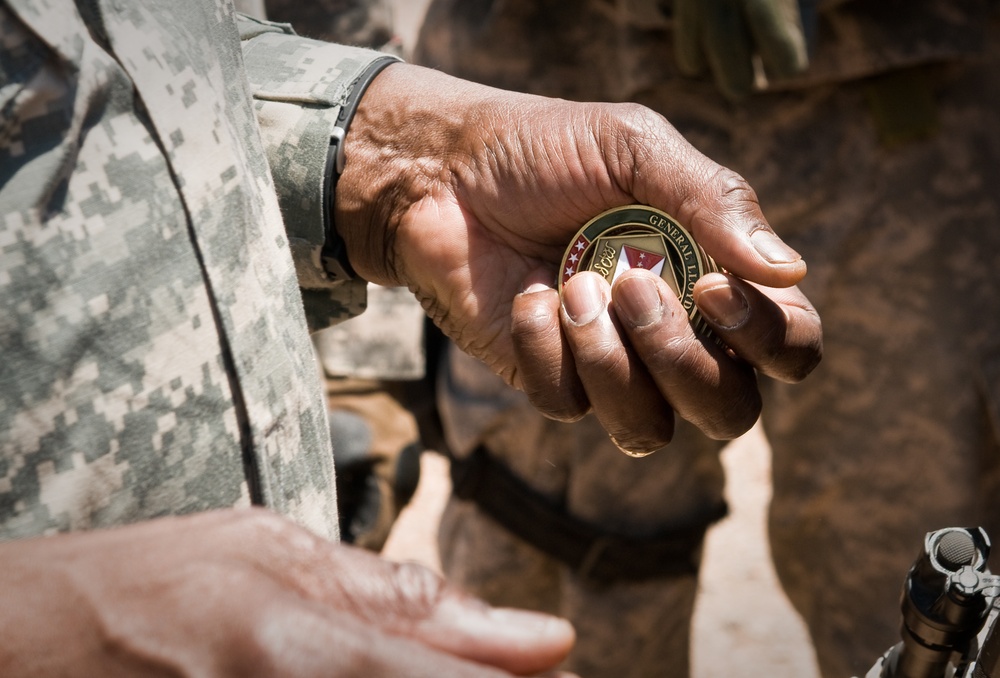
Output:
x=639 y=236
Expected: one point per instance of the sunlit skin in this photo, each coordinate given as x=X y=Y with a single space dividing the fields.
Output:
x=245 y=593
x=469 y=195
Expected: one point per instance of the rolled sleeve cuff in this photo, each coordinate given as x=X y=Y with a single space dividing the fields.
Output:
x=298 y=87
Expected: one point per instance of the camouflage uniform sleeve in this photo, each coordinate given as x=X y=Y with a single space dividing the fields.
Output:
x=298 y=87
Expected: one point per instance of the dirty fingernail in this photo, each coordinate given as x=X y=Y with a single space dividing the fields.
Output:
x=638 y=301
x=584 y=298
x=724 y=305
x=772 y=248
x=536 y=287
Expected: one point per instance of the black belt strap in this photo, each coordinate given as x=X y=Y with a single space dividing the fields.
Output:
x=592 y=552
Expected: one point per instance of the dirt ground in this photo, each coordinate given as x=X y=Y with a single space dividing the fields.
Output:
x=744 y=626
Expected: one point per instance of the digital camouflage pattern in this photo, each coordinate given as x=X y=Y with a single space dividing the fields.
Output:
x=898 y=430
x=386 y=342
x=156 y=356
x=372 y=353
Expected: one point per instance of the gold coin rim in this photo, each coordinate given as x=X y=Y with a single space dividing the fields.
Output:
x=666 y=225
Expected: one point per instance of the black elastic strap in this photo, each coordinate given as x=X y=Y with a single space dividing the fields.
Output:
x=334 y=253
x=592 y=552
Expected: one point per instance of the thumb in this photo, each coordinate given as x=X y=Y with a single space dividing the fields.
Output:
x=715 y=204
x=518 y=641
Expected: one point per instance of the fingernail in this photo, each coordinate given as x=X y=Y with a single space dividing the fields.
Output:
x=536 y=287
x=475 y=619
x=638 y=301
x=724 y=305
x=535 y=626
x=532 y=623
x=771 y=247
x=584 y=298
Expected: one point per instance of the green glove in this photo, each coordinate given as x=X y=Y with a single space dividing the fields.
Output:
x=722 y=36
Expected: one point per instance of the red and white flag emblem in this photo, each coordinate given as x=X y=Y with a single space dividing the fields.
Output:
x=633 y=257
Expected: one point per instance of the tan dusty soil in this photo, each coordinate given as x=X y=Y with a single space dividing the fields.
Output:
x=744 y=626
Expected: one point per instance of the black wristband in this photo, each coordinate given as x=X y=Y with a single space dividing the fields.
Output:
x=334 y=254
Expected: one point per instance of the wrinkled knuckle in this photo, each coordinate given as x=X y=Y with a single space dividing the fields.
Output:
x=730 y=183
x=637 y=117
x=723 y=188
x=535 y=330
x=633 y=125
x=418 y=590
x=676 y=354
x=273 y=532
x=638 y=122
x=661 y=356
x=533 y=322
x=599 y=354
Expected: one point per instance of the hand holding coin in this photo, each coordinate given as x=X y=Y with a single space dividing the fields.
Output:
x=469 y=196
x=669 y=304
x=640 y=237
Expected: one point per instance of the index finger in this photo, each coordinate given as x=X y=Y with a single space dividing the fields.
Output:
x=408 y=600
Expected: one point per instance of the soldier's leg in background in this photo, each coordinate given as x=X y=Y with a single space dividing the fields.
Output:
x=631 y=594
x=485 y=558
x=895 y=434
x=626 y=627
x=639 y=627
x=376 y=450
